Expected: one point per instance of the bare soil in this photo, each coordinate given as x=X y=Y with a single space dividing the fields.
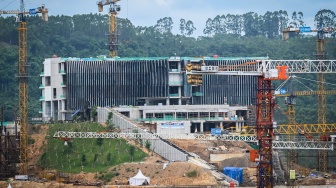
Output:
x=175 y=173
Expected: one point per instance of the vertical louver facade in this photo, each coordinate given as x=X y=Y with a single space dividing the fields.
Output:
x=115 y=82
x=124 y=81
x=234 y=90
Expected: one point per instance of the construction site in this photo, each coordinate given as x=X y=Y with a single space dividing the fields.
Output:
x=211 y=115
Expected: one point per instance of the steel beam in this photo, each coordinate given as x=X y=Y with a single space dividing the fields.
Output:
x=282 y=144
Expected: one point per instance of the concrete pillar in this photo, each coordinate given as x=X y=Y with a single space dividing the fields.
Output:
x=237 y=127
x=179 y=92
x=144 y=114
x=167 y=102
x=221 y=125
x=179 y=66
x=202 y=128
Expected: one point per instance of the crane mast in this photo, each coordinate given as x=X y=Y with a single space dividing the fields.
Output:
x=23 y=76
x=266 y=71
x=113 y=29
x=320 y=55
x=23 y=89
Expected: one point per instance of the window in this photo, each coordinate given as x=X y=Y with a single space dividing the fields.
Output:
x=47 y=81
x=54 y=93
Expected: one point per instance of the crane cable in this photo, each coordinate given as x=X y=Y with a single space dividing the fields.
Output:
x=315 y=81
x=7 y=5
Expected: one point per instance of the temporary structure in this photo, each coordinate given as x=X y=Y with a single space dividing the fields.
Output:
x=139 y=179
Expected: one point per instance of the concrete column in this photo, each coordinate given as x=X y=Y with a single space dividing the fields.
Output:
x=144 y=114
x=221 y=125
x=202 y=128
x=180 y=95
x=167 y=102
x=179 y=66
x=237 y=127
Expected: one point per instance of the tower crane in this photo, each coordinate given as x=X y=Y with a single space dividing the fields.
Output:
x=266 y=71
x=23 y=76
x=292 y=155
x=113 y=27
x=320 y=55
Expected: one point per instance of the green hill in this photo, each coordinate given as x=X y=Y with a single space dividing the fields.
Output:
x=86 y=154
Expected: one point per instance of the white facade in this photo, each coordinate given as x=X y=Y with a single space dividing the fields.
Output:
x=181 y=119
x=53 y=90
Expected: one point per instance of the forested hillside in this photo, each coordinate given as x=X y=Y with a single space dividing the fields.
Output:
x=228 y=35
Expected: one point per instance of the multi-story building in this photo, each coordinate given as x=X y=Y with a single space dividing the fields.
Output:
x=156 y=86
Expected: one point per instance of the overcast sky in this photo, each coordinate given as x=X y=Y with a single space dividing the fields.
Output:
x=147 y=12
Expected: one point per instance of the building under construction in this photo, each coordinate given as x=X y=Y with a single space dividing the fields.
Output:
x=159 y=84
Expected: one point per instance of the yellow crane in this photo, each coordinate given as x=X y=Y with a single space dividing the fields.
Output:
x=113 y=29
x=320 y=55
x=23 y=76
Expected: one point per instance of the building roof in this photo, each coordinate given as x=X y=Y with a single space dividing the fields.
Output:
x=104 y=58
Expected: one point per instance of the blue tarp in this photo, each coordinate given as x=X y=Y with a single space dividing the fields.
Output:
x=235 y=173
x=216 y=131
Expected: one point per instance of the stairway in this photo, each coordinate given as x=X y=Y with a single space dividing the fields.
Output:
x=279 y=172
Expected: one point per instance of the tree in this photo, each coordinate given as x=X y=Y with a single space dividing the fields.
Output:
x=147 y=145
x=99 y=141
x=164 y=25
x=190 y=27
x=182 y=26
x=208 y=30
x=109 y=123
x=326 y=19
x=297 y=19
x=271 y=24
x=251 y=24
x=234 y=24
x=94 y=113
x=83 y=158
x=132 y=151
x=109 y=157
x=95 y=157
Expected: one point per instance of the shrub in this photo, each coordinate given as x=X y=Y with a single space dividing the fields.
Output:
x=192 y=174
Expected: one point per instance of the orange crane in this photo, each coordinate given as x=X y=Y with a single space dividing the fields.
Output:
x=23 y=77
x=266 y=71
x=113 y=29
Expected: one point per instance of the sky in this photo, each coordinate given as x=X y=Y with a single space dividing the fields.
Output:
x=147 y=12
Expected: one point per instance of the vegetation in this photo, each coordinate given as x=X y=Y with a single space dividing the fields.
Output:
x=147 y=145
x=82 y=154
x=106 y=177
x=192 y=174
x=245 y=35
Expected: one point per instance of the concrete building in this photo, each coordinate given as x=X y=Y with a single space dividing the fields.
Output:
x=156 y=86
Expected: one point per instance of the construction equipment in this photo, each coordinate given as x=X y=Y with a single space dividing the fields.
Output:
x=113 y=27
x=290 y=103
x=320 y=55
x=23 y=77
x=266 y=71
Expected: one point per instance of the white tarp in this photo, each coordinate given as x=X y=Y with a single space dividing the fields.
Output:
x=139 y=179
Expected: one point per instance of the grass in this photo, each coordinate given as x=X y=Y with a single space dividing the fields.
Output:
x=85 y=154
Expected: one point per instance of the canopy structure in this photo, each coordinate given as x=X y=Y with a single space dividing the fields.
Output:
x=139 y=179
